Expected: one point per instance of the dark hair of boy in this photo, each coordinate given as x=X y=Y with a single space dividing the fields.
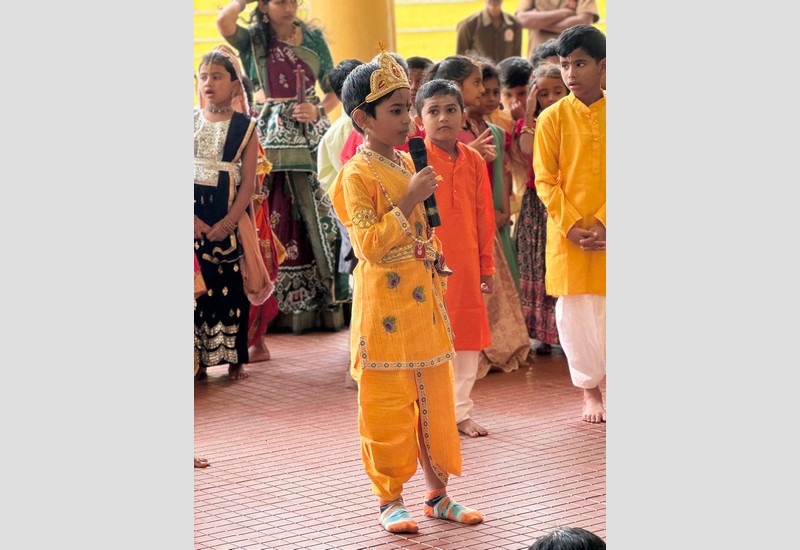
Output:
x=438 y=86
x=543 y=51
x=339 y=73
x=514 y=71
x=355 y=90
x=417 y=62
x=587 y=37
x=569 y=538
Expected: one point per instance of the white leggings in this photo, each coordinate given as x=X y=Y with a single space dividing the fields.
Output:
x=581 y=322
x=465 y=371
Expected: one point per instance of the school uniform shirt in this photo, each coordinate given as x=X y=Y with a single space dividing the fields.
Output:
x=569 y=163
x=535 y=36
x=464 y=199
x=477 y=35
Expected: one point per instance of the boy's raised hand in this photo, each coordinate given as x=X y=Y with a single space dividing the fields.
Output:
x=484 y=144
x=422 y=185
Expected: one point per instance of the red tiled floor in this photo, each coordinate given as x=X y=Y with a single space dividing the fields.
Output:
x=286 y=467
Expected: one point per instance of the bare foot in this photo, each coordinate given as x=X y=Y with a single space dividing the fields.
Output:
x=593 y=409
x=200 y=462
x=259 y=351
x=471 y=428
x=237 y=372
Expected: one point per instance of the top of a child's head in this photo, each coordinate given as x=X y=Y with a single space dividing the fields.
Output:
x=222 y=57
x=569 y=538
x=438 y=87
x=454 y=67
x=543 y=51
x=514 y=71
x=587 y=37
x=546 y=70
x=417 y=62
x=370 y=84
x=339 y=73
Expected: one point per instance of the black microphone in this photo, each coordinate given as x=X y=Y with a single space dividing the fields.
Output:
x=416 y=146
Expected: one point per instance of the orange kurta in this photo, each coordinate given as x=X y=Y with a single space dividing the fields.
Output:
x=467 y=232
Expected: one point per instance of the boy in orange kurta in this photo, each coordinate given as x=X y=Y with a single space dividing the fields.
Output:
x=401 y=341
x=464 y=198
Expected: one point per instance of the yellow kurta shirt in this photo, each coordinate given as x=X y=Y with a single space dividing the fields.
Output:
x=399 y=319
x=569 y=163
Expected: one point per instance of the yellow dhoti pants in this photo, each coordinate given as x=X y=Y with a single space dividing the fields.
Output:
x=392 y=406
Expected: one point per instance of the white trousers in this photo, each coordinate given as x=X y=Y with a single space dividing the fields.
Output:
x=581 y=322
x=465 y=370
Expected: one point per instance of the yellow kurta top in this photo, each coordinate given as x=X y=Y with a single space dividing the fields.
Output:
x=569 y=163
x=399 y=319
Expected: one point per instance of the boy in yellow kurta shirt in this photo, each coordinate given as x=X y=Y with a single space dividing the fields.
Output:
x=569 y=161
x=401 y=341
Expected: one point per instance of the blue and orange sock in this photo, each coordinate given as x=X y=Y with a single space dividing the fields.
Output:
x=395 y=518
x=439 y=505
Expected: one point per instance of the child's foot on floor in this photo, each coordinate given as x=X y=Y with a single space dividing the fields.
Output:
x=259 y=352
x=395 y=518
x=200 y=462
x=593 y=409
x=471 y=428
x=440 y=506
x=237 y=372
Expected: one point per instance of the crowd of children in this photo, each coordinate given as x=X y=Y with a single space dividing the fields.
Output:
x=516 y=164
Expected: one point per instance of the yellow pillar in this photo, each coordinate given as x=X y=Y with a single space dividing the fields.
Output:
x=353 y=28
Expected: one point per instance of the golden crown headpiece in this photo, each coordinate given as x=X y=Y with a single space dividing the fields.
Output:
x=389 y=77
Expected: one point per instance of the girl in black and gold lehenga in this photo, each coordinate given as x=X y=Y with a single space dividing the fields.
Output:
x=285 y=59
x=225 y=154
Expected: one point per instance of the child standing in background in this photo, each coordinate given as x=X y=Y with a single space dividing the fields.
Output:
x=510 y=346
x=467 y=233
x=538 y=307
x=466 y=74
x=417 y=66
x=225 y=151
x=515 y=72
x=401 y=341
x=569 y=163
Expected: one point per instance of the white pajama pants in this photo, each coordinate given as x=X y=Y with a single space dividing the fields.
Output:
x=465 y=371
x=581 y=322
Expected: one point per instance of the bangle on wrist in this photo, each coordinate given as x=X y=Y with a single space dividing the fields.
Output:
x=527 y=130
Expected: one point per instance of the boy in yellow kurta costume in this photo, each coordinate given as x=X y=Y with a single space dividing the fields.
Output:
x=401 y=341
x=569 y=160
